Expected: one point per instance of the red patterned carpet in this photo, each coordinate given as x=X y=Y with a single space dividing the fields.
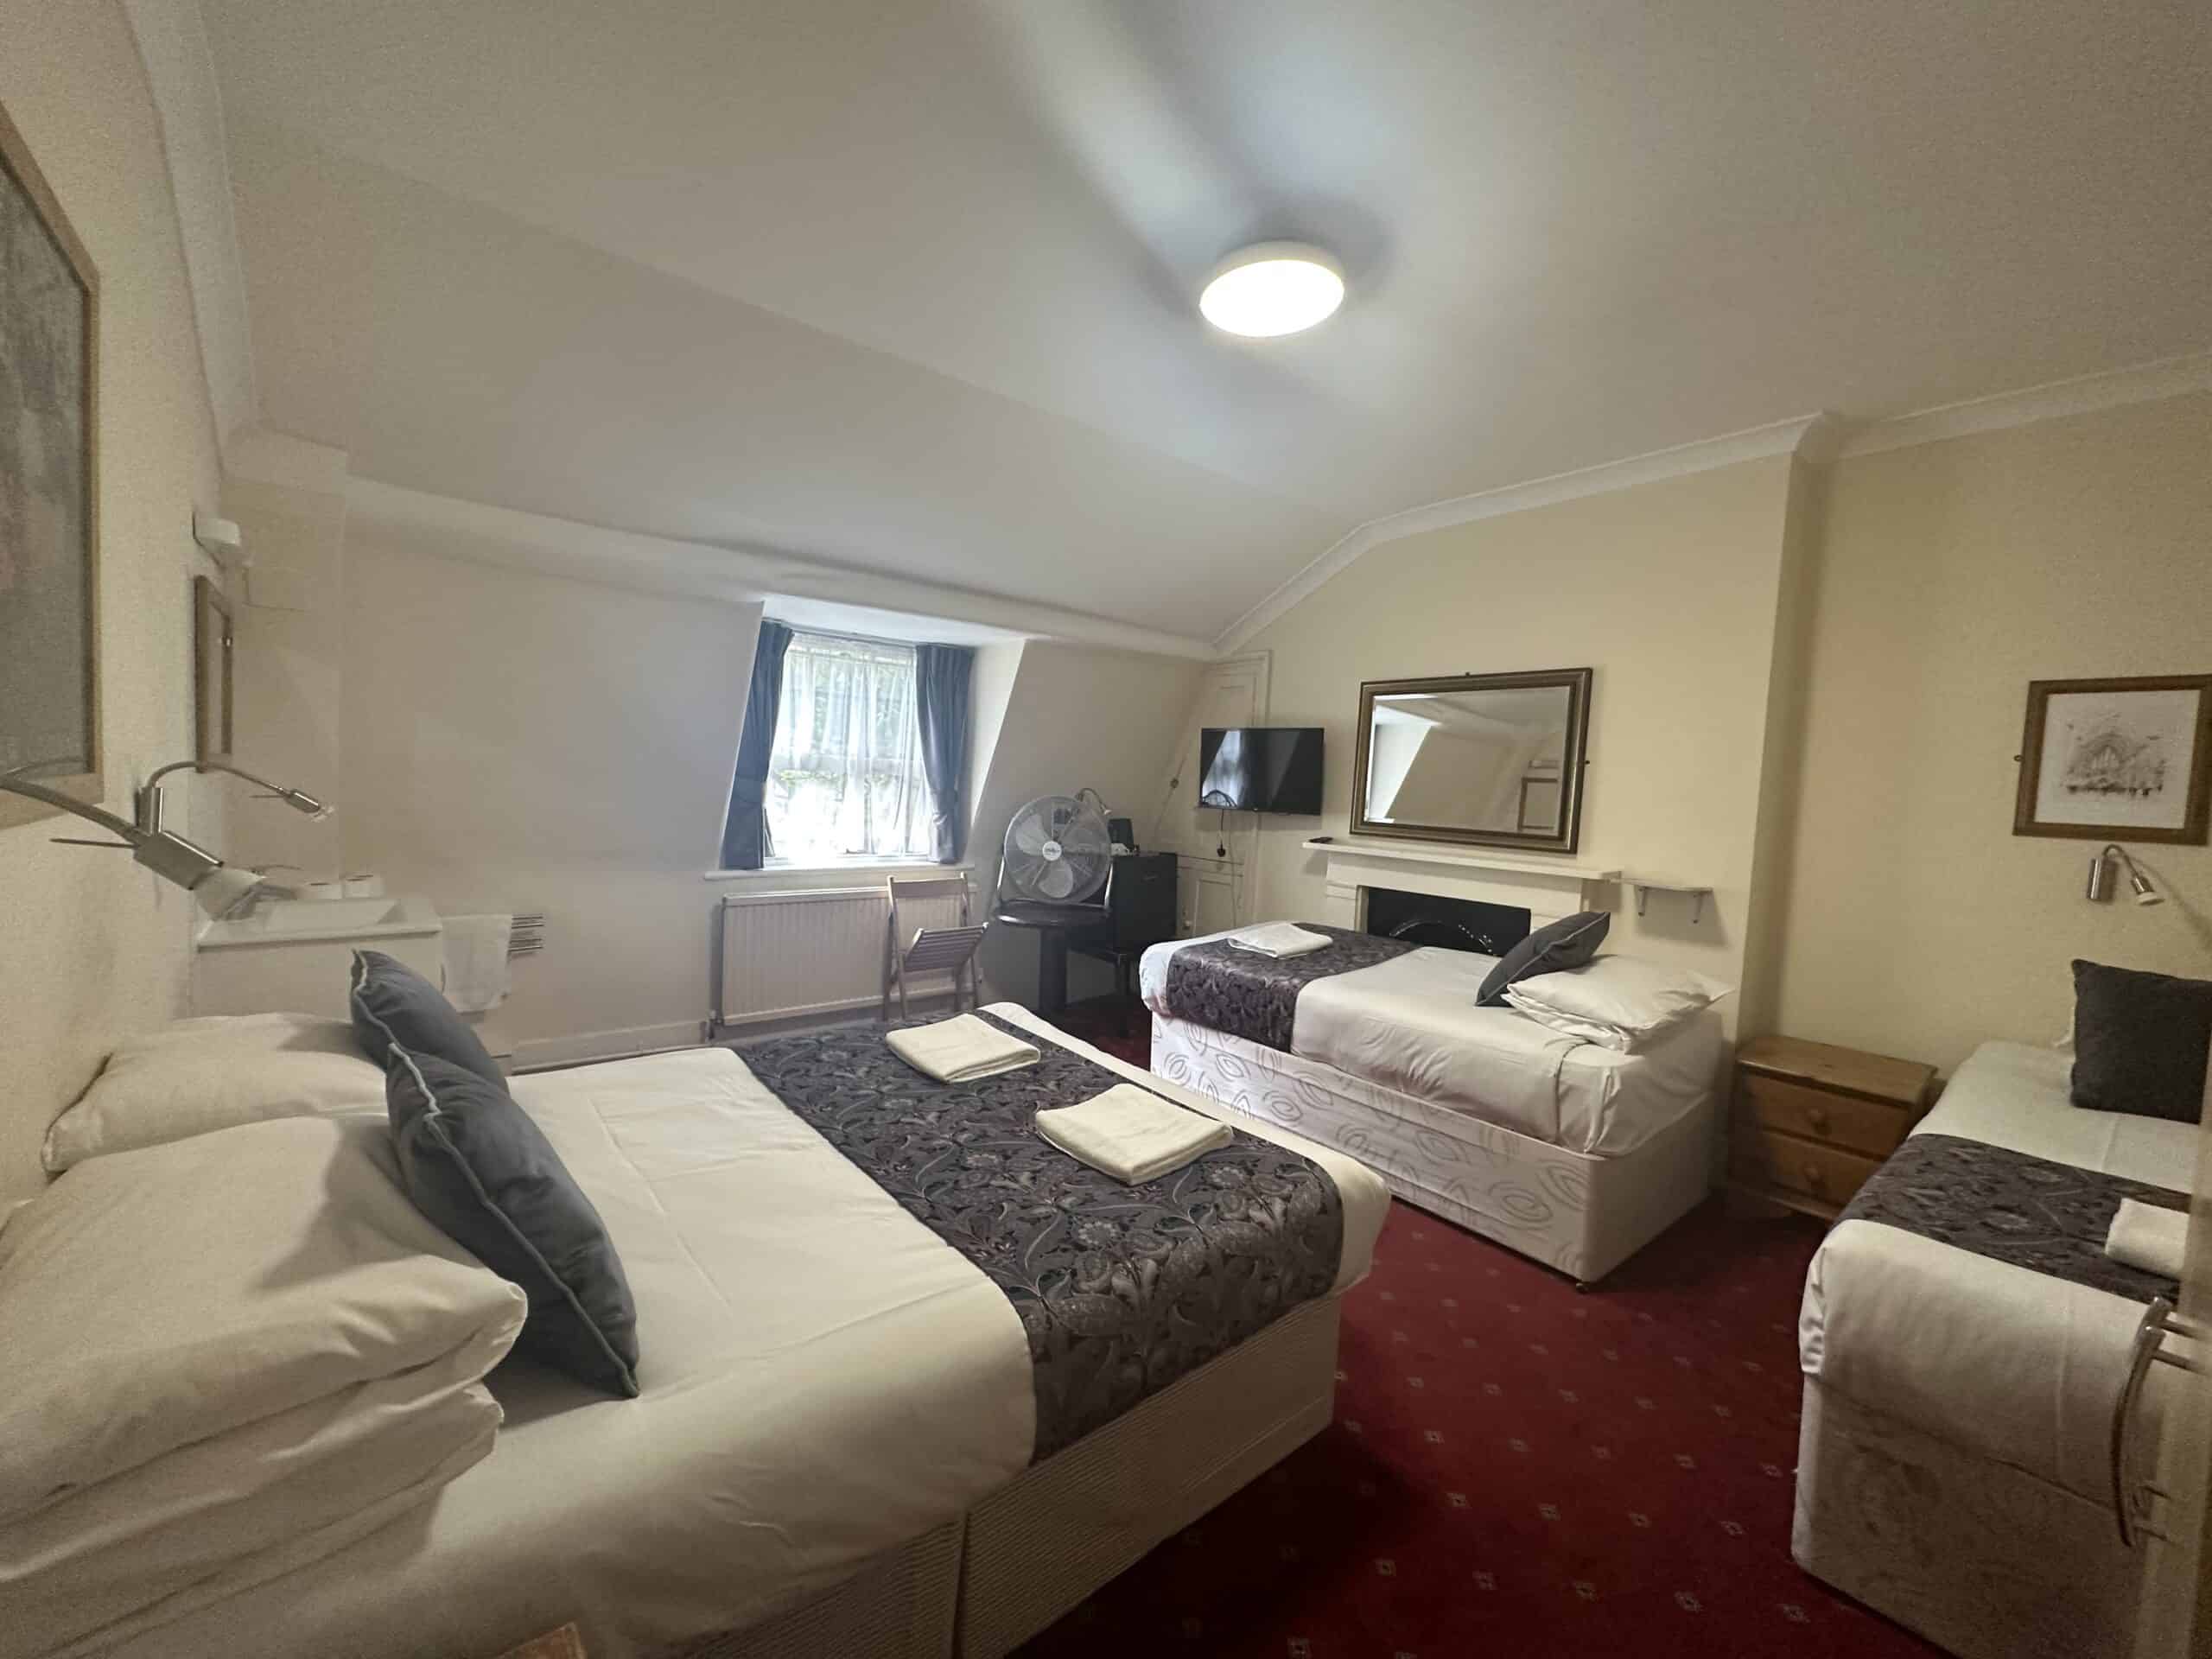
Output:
x=1519 y=1468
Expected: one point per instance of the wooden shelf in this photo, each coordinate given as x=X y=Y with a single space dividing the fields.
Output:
x=1466 y=858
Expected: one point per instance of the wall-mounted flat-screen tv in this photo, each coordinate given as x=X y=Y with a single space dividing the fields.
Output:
x=1261 y=768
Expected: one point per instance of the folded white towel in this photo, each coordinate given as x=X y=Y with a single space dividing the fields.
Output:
x=2149 y=1236
x=1280 y=940
x=1131 y=1134
x=476 y=962
x=963 y=1049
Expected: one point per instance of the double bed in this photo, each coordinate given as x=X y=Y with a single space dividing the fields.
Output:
x=1572 y=1153
x=856 y=1431
x=1965 y=1340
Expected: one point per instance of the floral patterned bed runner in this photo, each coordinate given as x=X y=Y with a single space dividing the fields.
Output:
x=1255 y=997
x=2009 y=1206
x=1121 y=1289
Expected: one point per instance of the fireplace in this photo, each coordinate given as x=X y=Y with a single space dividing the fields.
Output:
x=1456 y=924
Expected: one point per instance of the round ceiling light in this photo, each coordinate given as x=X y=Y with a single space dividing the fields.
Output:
x=1273 y=287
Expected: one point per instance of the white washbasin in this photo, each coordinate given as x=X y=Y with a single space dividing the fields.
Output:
x=326 y=915
x=297 y=921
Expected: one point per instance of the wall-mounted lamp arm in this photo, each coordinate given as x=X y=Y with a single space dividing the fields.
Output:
x=149 y=793
x=2101 y=872
x=16 y=784
x=222 y=889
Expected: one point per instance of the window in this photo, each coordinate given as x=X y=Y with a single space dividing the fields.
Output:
x=845 y=777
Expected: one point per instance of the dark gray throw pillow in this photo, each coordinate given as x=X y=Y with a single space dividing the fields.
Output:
x=480 y=1170
x=2140 y=1042
x=393 y=1003
x=1569 y=942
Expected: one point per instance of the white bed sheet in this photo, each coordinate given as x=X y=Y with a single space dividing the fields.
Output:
x=1411 y=1025
x=2015 y=1095
x=1991 y=1358
x=822 y=1379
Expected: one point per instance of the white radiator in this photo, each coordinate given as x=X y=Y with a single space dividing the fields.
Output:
x=786 y=954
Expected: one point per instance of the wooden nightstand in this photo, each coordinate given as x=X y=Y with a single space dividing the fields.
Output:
x=1812 y=1121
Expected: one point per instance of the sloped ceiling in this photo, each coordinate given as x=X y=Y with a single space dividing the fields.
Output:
x=909 y=286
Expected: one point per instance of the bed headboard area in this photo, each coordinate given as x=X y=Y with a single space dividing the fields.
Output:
x=1458 y=924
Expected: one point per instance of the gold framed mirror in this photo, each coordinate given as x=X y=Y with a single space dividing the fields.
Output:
x=1485 y=759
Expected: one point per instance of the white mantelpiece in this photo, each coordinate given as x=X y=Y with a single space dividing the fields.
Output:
x=1547 y=888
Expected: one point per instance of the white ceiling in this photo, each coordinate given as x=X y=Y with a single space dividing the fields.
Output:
x=910 y=287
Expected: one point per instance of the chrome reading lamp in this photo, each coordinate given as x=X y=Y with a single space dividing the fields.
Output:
x=222 y=889
x=2101 y=873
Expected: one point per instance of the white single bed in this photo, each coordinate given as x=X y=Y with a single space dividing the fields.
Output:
x=1572 y=1154
x=1955 y=1440
x=835 y=1407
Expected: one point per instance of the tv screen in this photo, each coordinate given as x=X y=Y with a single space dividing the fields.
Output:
x=1261 y=768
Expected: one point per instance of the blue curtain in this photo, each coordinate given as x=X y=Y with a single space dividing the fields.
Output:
x=744 y=832
x=941 y=678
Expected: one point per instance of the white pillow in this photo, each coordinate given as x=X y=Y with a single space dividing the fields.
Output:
x=196 y=1076
x=225 y=1355
x=1617 y=1002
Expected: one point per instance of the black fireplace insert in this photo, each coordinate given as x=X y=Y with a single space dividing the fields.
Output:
x=1455 y=923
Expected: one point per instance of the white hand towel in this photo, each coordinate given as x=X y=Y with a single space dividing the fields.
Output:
x=476 y=961
x=2148 y=1236
x=1131 y=1134
x=1280 y=940
x=963 y=1049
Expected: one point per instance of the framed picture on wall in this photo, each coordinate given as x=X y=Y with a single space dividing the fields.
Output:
x=49 y=489
x=2126 y=759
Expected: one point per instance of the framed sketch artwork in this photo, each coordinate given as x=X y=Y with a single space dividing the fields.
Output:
x=49 y=446
x=2118 y=759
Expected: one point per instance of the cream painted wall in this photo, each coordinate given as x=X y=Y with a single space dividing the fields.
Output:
x=1669 y=591
x=1949 y=575
x=991 y=691
x=92 y=947
x=515 y=741
x=1076 y=716
x=289 y=662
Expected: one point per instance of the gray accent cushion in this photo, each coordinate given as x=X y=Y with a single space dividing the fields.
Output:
x=1569 y=942
x=2140 y=1042
x=484 y=1173
x=393 y=1003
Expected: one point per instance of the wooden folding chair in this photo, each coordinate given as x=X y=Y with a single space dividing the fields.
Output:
x=931 y=950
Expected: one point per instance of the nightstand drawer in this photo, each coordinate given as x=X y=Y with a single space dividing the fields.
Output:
x=1815 y=1115
x=1809 y=1168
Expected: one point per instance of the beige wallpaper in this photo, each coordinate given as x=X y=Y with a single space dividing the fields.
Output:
x=91 y=946
x=1669 y=591
x=515 y=741
x=1076 y=716
x=1949 y=576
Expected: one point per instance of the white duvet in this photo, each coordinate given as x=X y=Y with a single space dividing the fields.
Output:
x=821 y=1379
x=1995 y=1359
x=1411 y=1024
x=220 y=1359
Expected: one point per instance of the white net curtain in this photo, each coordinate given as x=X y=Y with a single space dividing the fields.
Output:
x=845 y=776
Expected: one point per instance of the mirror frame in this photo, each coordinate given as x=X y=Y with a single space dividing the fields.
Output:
x=1576 y=682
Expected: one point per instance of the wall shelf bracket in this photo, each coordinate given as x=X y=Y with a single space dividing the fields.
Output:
x=1697 y=895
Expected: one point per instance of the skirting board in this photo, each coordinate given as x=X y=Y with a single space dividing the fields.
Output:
x=546 y=1053
x=541 y=1053
x=848 y=1011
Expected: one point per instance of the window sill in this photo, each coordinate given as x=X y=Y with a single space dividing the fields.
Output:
x=875 y=869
